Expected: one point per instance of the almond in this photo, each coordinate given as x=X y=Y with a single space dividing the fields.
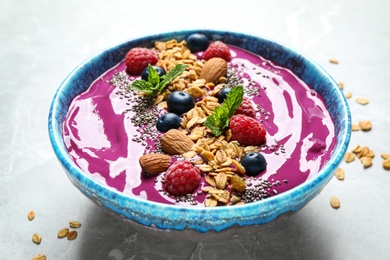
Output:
x=213 y=70
x=154 y=163
x=176 y=142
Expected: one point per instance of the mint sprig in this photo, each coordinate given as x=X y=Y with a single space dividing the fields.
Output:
x=219 y=120
x=156 y=84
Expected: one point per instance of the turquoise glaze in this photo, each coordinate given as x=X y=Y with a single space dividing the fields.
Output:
x=172 y=217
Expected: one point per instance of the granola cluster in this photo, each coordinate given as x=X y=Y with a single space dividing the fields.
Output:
x=218 y=158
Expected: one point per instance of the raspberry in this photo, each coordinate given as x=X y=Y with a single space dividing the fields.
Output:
x=246 y=130
x=181 y=178
x=137 y=59
x=246 y=108
x=217 y=49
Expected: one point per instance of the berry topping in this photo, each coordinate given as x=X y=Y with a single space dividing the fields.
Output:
x=254 y=163
x=181 y=178
x=145 y=72
x=137 y=59
x=223 y=94
x=246 y=108
x=246 y=130
x=197 y=42
x=180 y=102
x=217 y=49
x=167 y=122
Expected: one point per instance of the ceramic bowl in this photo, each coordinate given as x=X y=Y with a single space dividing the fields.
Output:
x=155 y=216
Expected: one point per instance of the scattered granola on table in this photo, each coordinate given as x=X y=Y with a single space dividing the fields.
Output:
x=386 y=161
x=335 y=202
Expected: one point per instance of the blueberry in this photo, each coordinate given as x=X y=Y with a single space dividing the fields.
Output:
x=197 y=42
x=145 y=72
x=180 y=102
x=223 y=94
x=254 y=163
x=167 y=122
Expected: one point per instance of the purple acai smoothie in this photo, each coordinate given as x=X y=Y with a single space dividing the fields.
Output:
x=105 y=139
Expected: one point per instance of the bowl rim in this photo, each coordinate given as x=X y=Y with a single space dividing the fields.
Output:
x=224 y=216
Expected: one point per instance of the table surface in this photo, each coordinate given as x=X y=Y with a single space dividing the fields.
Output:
x=42 y=41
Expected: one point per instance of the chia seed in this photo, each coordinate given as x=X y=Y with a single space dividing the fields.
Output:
x=258 y=192
x=233 y=79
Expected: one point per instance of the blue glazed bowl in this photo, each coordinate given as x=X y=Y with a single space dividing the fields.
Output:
x=159 y=217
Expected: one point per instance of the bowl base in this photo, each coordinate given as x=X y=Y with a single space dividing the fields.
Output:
x=192 y=235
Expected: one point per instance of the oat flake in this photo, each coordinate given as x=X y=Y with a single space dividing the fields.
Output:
x=334 y=202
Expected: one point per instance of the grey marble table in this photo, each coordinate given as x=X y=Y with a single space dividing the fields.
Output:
x=42 y=41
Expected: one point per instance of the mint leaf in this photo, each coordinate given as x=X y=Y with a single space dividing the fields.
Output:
x=153 y=76
x=233 y=100
x=219 y=120
x=171 y=75
x=212 y=123
x=155 y=85
x=142 y=86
